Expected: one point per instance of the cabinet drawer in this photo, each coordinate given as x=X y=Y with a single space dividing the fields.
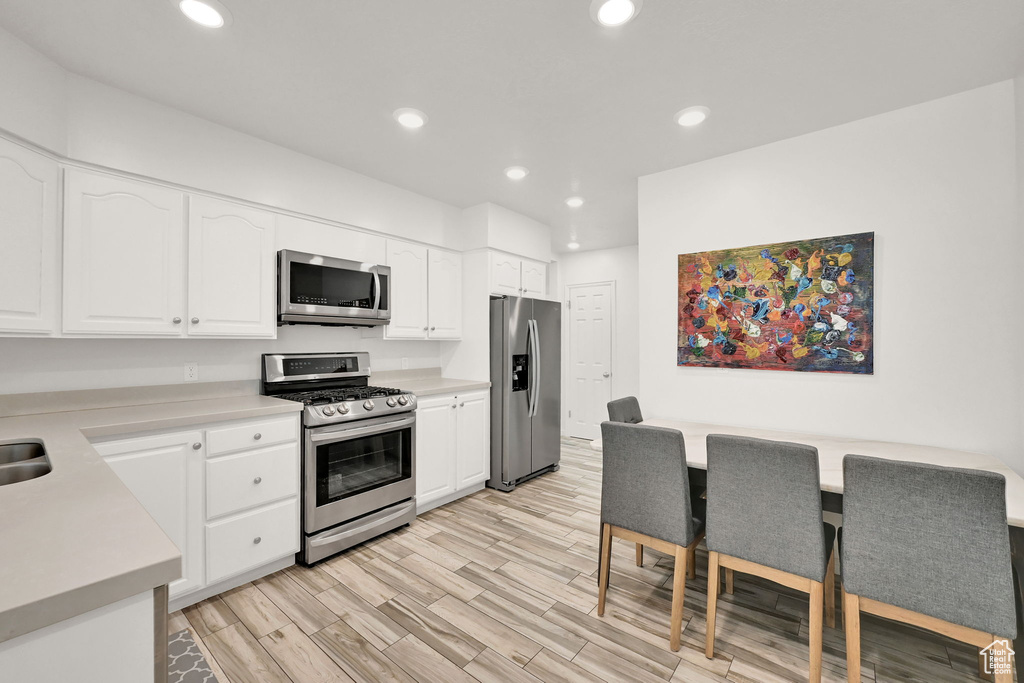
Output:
x=239 y=543
x=251 y=478
x=251 y=434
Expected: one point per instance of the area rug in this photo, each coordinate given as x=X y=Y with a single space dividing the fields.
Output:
x=185 y=662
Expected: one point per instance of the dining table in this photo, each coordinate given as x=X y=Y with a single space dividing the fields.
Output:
x=831 y=451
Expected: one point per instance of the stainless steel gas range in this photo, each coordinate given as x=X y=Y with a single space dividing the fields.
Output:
x=359 y=448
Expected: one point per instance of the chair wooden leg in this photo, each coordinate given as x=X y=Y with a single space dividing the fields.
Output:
x=851 y=618
x=714 y=583
x=1006 y=676
x=830 y=592
x=678 y=596
x=691 y=560
x=814 y=630
x=728 y=582
x=639 y=554
x=605 y=568
x=842 y=602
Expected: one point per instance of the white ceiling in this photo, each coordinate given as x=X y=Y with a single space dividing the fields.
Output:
x=531 y=82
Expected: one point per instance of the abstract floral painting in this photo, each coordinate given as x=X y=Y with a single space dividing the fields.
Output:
x=804 y=306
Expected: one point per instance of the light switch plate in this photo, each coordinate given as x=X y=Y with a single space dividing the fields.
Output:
x=192 y=372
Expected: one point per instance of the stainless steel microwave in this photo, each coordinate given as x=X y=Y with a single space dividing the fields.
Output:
x=321 y=290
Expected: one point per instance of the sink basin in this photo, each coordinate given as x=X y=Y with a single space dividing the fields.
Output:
x=22 y=461
x=19 y=452
x=22 y=471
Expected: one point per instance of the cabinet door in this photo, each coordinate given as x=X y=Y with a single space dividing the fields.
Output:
x=474 y=439
x=435 y=448
x=165 y=473
x=535 y=279
x=408 y=291
x=232 y=277
x=124 y=268
x=505 y=276
x=28 y=240
x=444 y=294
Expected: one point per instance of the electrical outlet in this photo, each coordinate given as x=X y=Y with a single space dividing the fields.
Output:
x=192 y=372
x=405 y=363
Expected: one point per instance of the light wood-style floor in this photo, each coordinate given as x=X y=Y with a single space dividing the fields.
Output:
x=501 y=587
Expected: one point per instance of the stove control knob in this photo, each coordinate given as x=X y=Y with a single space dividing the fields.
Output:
x=343 y=409
x=392 y=402
x=368 y=405
x=328 y=410
x=403 y=401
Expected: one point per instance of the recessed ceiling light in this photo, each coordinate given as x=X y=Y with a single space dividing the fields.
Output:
x=410 y=118
x=574 y=202
x=692 y=116
x=516 y=172
x=573 y=245
x=206 y=13
x=614 y=13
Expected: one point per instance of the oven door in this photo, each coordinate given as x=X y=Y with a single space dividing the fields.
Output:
x=354 y=469
x=314 y=286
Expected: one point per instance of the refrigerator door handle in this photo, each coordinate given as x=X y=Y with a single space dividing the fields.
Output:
x=534 y=367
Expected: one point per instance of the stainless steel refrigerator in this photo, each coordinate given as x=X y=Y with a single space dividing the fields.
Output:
x=526 y=386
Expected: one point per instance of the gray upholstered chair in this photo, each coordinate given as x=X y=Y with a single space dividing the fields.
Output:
x=645 y=498
x=764 y=518
x=628 y=410
x=625 y=410
x=928 y=546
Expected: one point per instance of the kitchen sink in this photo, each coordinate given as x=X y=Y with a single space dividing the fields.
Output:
x=22 y=461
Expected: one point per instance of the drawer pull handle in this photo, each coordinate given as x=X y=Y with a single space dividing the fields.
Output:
x=257 y=436
x=257 y=480
x=257 y=540
x=196 y=446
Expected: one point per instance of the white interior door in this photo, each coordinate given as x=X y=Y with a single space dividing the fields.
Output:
x=590 y=357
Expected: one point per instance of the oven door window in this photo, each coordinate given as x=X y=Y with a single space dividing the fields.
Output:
x=353 y=466
x=311 y=285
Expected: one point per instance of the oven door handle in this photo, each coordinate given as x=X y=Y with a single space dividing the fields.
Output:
x=370 y=523
x=344 y=432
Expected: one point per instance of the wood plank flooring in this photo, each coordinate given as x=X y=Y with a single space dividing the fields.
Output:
x=501 y=587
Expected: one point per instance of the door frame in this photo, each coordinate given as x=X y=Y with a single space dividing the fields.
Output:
x=567 y=337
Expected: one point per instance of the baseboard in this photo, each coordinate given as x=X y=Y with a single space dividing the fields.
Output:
x=201 y=594
x=451 y=497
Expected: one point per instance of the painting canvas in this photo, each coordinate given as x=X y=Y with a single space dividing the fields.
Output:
x=803 y=306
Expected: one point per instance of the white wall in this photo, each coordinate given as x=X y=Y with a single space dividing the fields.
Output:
x=936 y=183
x=32 y=95
x=1018 y=88
x=620 y=265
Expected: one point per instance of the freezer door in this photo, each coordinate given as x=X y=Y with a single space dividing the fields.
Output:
x=511 y=437
x=547 y=362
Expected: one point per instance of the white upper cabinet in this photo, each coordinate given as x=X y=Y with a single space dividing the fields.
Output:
x=408 y=291
x=231 y=273
x=124 y=267
x=534 y=279
x=29 y=236
x=444 y=295
x=505 y=274
x=514 y=276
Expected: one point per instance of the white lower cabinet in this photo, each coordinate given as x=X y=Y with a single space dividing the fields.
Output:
x=165 y=472
x=452 y=446
x=229 y=501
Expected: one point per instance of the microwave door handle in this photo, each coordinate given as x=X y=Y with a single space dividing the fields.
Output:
x=376 y=288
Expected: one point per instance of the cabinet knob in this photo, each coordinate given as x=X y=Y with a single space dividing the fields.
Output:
x=257 y=480
x=176 y=321
x=462 y=404
x=195 y=321
x=196 y=446
x=424 y=329
x=432 y=328
x=454 y=406
x=257 y=540
x=257 y=436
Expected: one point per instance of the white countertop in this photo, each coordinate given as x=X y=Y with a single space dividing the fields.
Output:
x=76 y=539
x=832 y=449
x=426 y=382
